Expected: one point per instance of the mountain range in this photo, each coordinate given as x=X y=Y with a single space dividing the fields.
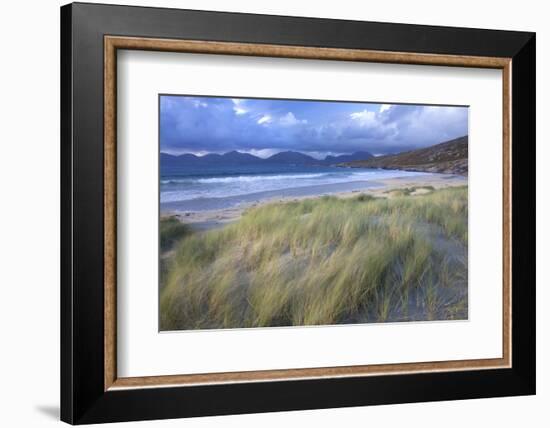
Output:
x=237 y=158
x=449 y=157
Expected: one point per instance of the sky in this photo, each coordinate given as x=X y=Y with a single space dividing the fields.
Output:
x=263 y=127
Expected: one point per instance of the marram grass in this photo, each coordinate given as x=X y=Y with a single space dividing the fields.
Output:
x=322 y=261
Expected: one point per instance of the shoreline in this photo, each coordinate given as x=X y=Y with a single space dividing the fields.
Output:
x=219 y=217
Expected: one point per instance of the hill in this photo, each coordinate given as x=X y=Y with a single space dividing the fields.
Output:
x=450 y=157
x=238 y=158
x=188 y=159
x=332 y=160
x=290 y=157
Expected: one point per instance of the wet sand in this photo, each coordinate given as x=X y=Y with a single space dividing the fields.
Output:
x=214 y=218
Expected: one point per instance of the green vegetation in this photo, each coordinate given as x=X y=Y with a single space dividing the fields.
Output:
x=406 y=191
x=321 y=261
x=171 y=230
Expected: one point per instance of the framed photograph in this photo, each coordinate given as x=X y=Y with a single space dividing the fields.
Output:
x=266 y=213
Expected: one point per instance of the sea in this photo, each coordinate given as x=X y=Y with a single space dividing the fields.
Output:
x=190 y=189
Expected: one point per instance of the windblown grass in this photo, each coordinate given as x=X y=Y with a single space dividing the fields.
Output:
x=322 y=261
x=171 y=231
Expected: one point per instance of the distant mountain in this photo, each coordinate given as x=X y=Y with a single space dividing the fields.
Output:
x=211 y=158
x=298 y=158
x=238 y=158
x=171 y=160
x=188 y=159
x=331 y=160
x=289 y=157
x=450 y=157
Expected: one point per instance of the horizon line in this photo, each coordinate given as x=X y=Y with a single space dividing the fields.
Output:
x=307 y=153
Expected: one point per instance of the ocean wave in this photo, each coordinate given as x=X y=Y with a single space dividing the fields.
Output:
x=252 y=178
x=180 y=189
x=245 y=178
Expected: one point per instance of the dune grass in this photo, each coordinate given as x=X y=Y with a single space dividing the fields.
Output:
x=171 y=231
x=322 y=261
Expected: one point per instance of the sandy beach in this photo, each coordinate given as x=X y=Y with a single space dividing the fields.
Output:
x=281 y=213
x=215 y=218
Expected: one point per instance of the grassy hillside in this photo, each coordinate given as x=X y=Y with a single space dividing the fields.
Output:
x=323 y=261
x=450 y=157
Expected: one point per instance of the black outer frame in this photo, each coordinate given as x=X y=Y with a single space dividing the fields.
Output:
x=83 y=399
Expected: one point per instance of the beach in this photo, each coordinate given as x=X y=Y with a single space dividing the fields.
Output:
x=286 y=213
x=211 y=216
x=394 y=250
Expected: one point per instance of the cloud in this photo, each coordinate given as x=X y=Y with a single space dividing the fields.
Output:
x=238 y=106
x=200 y=124
x=289 y=119
x=265 y=119
x=263 y=153
x=365 y=117
x=198 y=103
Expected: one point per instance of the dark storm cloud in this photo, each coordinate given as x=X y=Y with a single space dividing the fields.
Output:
x=205 y=124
